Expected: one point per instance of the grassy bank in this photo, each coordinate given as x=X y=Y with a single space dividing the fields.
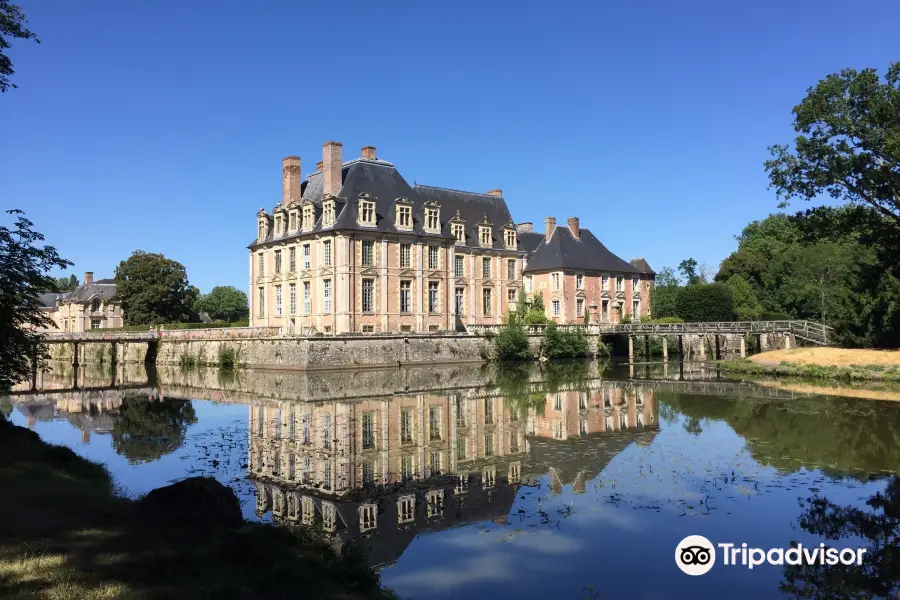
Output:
x=66 y=534
x=821 y=363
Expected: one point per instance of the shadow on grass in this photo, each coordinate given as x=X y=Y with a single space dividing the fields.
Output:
x=66 y=534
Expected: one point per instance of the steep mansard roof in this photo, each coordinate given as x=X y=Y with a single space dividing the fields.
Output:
x=643 y=266
x=564 y=251
x=381 y=179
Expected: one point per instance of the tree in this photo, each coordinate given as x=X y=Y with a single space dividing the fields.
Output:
x=746 y=305
x=224 y=303
x=664 y=295
x=12 y=25
x=66 y=284
x=688 y=268
x=24 y=265
x=849 y=145
x=153 y=289
x=705 y=302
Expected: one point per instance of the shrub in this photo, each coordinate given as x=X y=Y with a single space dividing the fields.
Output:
x=775 y=316
x=663 y=320
x=706 y=302
x=535 y=317
x=187 y=361
x=564 y=344
x=227 y=358
x=603 y=350
x=512 y=344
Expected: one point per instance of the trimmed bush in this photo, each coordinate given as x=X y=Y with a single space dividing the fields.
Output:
x=705 y=302
x=512 y=344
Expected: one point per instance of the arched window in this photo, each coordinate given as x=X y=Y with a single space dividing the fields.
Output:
x=95 y=305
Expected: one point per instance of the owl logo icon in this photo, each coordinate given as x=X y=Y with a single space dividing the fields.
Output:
x=695 y=555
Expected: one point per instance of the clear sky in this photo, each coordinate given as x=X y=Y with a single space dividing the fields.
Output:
x=160 y=125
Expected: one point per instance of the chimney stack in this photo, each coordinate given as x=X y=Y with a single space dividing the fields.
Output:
x=524 y=227
x=368 y=152
x=573 y=226
x=331 y=159
x=88 y=278
x=319 y=166
x=549 y=227
x=496 y=192
x=290 y=180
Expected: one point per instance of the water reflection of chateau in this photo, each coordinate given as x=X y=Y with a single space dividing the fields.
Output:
x=383 y=470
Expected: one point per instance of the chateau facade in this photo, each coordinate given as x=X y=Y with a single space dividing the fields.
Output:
x=92 y=305
x=355 y=248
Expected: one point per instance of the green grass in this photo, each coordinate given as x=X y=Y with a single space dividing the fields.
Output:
x=67 y=534
x=816 y=372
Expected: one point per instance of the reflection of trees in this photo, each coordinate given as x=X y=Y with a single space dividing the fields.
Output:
x=145 y=430
x=838 y=435
x=514 y=381
x=879 y=528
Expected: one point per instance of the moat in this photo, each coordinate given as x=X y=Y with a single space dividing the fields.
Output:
x=575 y=481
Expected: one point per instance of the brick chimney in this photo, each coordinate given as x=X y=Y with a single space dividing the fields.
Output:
x=573 y=226
x=290 y=180
x=368 y=152
x=524 y=227
x=498 y=193
x=319 y=166
x=549 y=227
x=88 y=278
x=331 y=164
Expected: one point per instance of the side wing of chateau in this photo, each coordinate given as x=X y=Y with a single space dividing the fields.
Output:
x=92 y=305
x=355 y=248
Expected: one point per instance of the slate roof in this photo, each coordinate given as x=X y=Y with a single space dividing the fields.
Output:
x=642 y=265
x=381 y=179
x=529 y=241
x=48 y=299
x=105 y=289
x=564 y=251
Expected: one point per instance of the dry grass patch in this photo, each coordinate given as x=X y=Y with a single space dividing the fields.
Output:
x=826 y=357
x=827 y=390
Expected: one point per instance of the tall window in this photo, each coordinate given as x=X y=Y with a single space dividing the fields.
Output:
x=579 y=307
x=405 y=252
x=486 y=267
x=636 y=308
x=406 y=425
x=307 y=217
x=510 y=238
x=579 y=281
x=431 y=219
x=460 y=300
x=433 y=302
x=306 y=298
x=367 y=212
x=605 y=282
x=484 y=236
x=326 y=432
x=306 y=257
x=488 y=411
x=326 y=253
x=293 y=218
x=620 y=284
x=328 y=213
x=293 y=298
x=404 y=216
x=405 y=289
x=261 y=301
x=368 y=430
x=511 y=269
x=277 y=262
x=277 y=225
x=277 y=299
x=261 y=264
x=459 y=232
x=556 y=308
x=528 y=284
x=262 y=229
x=368 y=252
x=95 y=305
x=368 y=295
x=554 y=281
x=326 y=296
x=459 y=266
x=486 y=302
x=635 y=284
x=511 y=296
x=489 y=444
x=434 y=422
x=432 y=257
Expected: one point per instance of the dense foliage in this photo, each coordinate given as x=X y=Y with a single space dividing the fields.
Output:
x=12 y=25
x=24 y=265
x=224 y=303
x=559 y=344
x=66 y=284
x=826 y=264
x=705 y=302
x=664 y=294
x=154 y=289
x=512 y=344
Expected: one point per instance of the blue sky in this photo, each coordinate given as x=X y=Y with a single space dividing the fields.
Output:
x=161 y=125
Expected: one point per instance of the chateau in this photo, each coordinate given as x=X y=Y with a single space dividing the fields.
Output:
x=92 y=305
x=355 y=248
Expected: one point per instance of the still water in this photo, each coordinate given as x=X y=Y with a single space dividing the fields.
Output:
x=575 y=481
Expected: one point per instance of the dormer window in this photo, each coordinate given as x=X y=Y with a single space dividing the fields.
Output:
x=458 y=228
x=293 y=221
x=308 y=217
x=328 y=212
x=404 y=214
x=510 y=239
x=95 y=305
x=262 y=229
x=484 y=235
x=432 y=217
x=278 y=225
x=366 y=209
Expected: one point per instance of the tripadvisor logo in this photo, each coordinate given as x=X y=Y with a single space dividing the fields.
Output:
x=696 y=555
